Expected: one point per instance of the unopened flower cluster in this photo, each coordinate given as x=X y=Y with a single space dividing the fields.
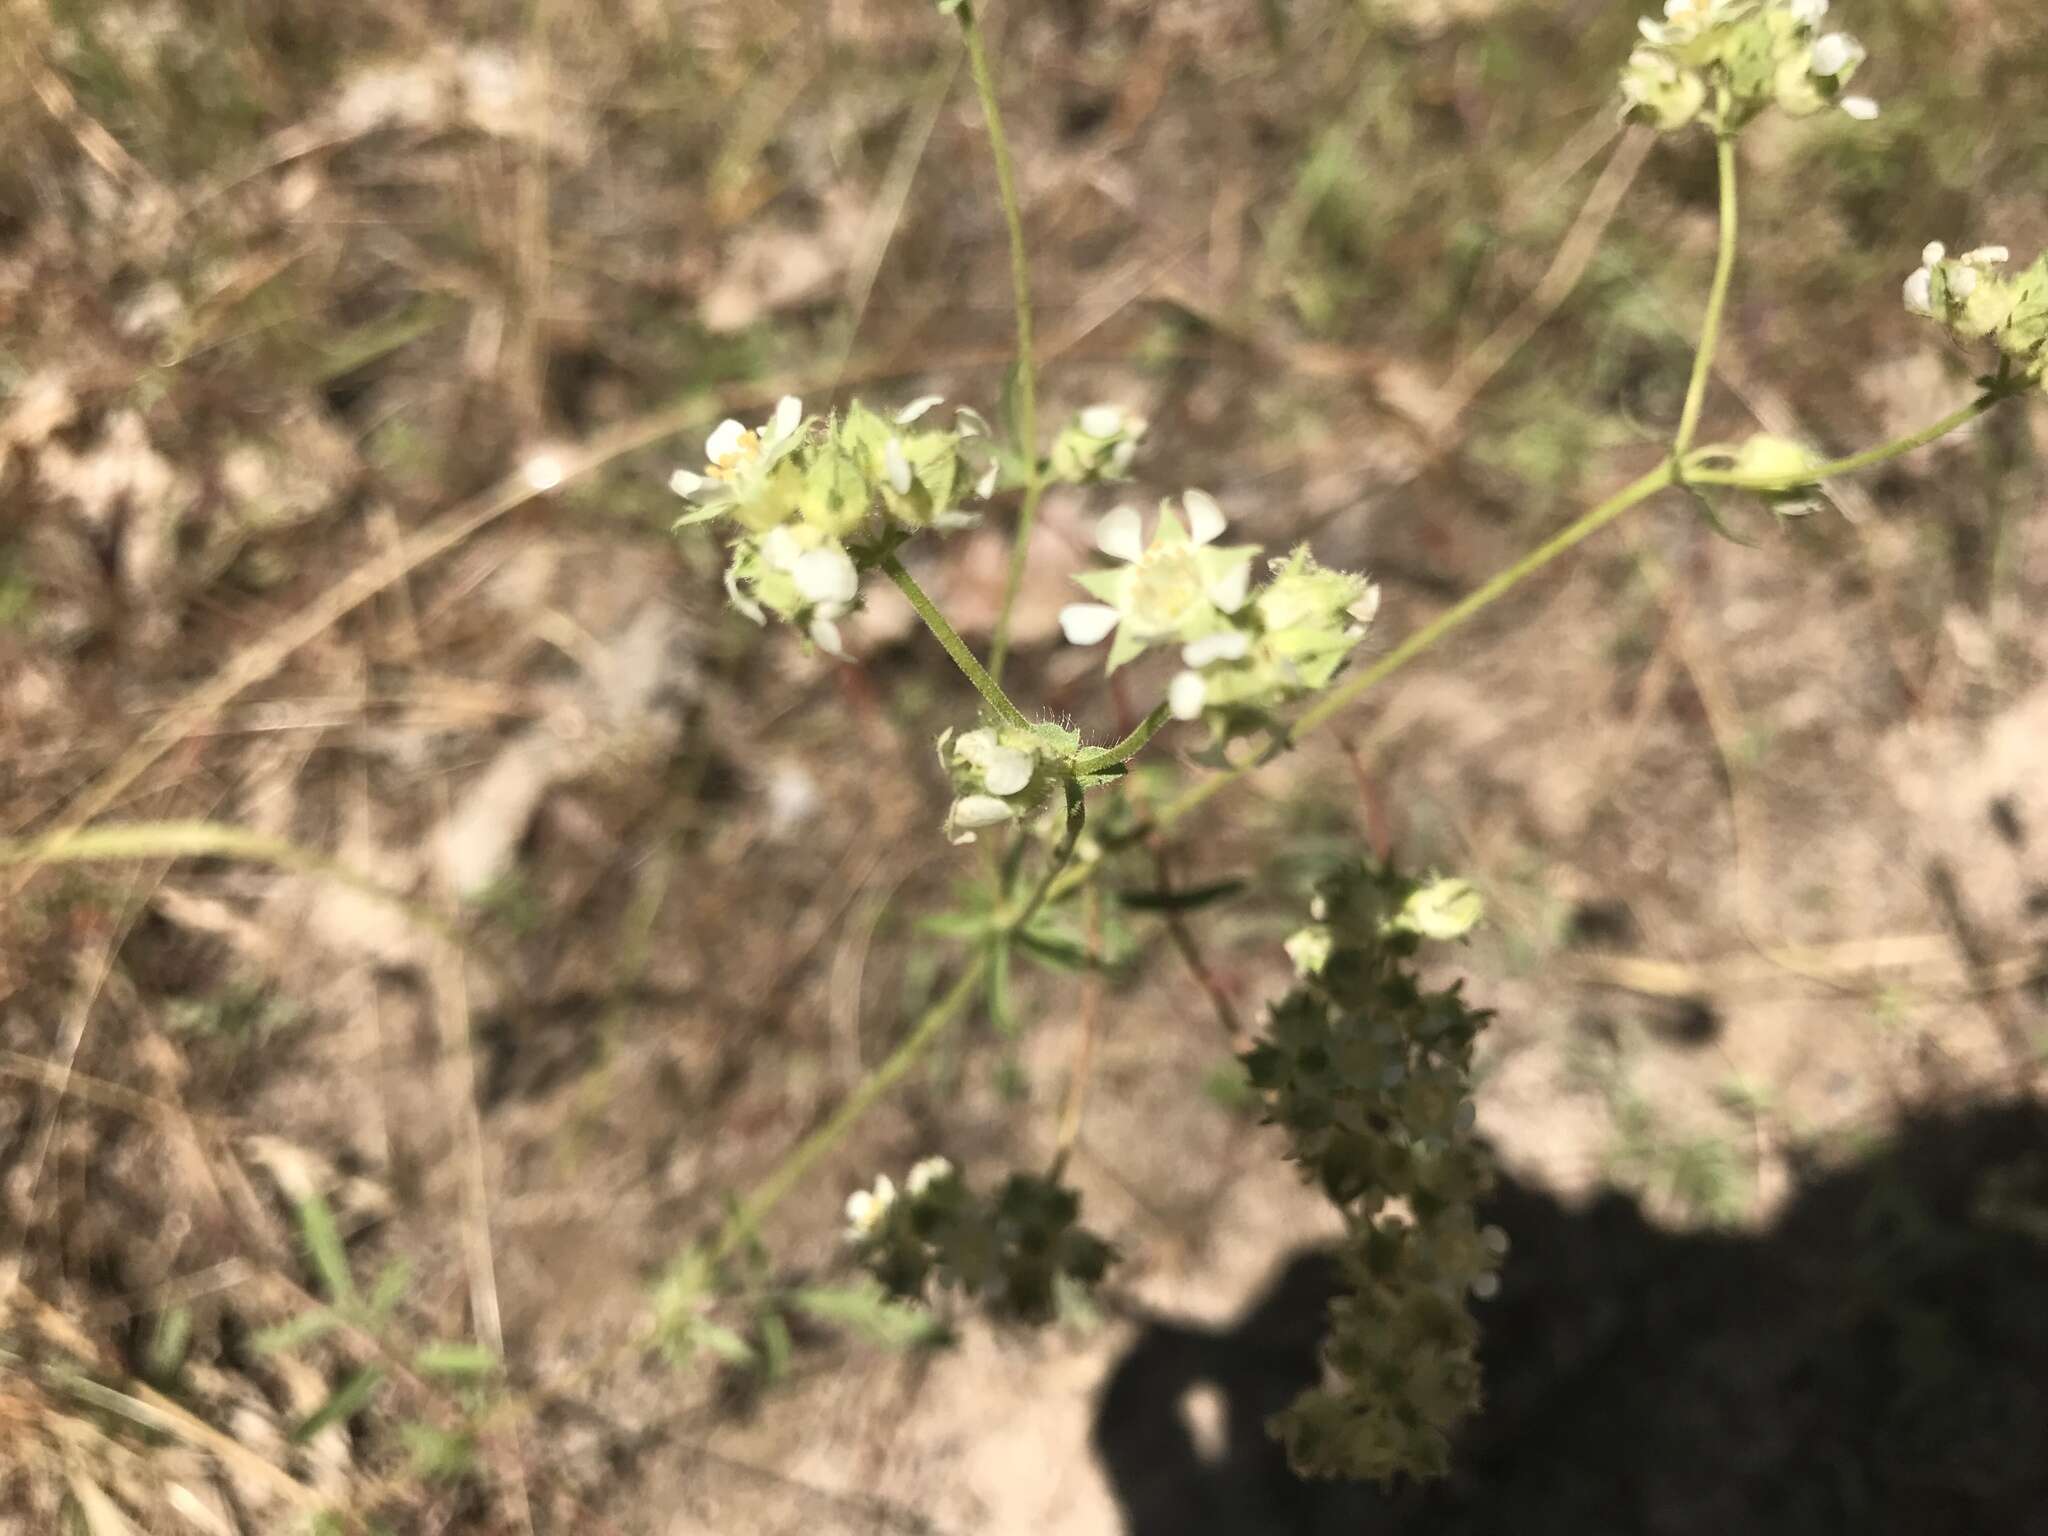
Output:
x=1098 y=444
x=1722 y=62
x=1976 y=299
x=1015 y=1250
x=1000 y=774
x=1245 y=651
x=1370 y=1077
x=817 y=500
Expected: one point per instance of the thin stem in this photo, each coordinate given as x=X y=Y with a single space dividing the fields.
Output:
x=1083 y=1068
x=1455 y=617
x=787 y=1174
x=1129 y=747
x=1717 y=301
x=1077 y=818
x=956 y=648
x=1026 y=423
x=1870 y=457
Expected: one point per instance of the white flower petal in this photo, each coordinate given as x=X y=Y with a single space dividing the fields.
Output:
x=1229 y=591
x=1186 y=694
x=826 y=576
x=971 y=422
x=925 y=1173
x=981 y=811
x=1229 y=645
x=974 y=747
x=1989 y=256
x=543 y=472
x=789 y=415
x=1367 y=608
x=1087 y=623
x=683 y=483
x=780 y=549
x=1006 y=771
x=917 y=408
x=1121 y=536
x=1836 y=52
x=1104 y=421
x=1862 y=108
x=825 y=636
x=724 y=441
x=1206 y=521
x=985 y=487
x=1919 y=292
x=1808 y=12
x=896 y=466
x=1931 y=253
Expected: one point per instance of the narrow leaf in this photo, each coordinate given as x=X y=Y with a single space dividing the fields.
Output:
x=303 y=1329
x=349 y=1399
x=461 y=1361
x=324 y=1249
x=1188 y=900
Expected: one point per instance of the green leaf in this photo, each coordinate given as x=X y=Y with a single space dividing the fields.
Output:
x=349 y=1399
x=324 y=1249
x=712 y=1339
x=459 y=1361
x=392 y=1280
x=965 y=926
x=1188 y=900
x=776 y=1347
x=290 y=1335
x=866 y=1310
x=1062 y=954
x=1000 y=1013
x=168 y=1342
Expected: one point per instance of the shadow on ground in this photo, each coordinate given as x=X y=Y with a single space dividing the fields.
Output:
x=1877 y=1361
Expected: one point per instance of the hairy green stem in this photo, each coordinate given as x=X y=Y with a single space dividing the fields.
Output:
x=1077 y=819
x=1867 y=459
x=947 y=636
x=787 y=1174
x=1717 y=302
x=1026 y=423
x=1129 y=747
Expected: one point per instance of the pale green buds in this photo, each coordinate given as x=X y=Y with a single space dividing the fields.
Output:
x=1722 y=62
x=1444 y=910
x=1971 y=296
x=817 y=501
x=1370 y=1076
x=1098 y=444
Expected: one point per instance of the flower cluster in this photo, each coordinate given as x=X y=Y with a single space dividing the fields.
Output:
x=1015 y=1250
x=1370 y=1077
x=1000 y=774
x=1975 y=299
x=1098 y=444
x=1244 y=652
x=817 y=500
x=1722 y=62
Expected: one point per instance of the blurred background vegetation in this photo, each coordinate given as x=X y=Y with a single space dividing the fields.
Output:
x=290 y=292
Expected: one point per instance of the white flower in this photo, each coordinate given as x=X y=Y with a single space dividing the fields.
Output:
x=1186 y=695
x=1862 y=108
x=1933 y=253
x=826 y=576
x=867 y=1208
x=1919 y=290
x=1963 y=282
x=1179 y=581
x=1225 y=645
x=917 y=408
x=735 y=450
x=1004 y=770
x=981 y=811
x=1836 y=52
x=923 y=1175
x=1103 y=421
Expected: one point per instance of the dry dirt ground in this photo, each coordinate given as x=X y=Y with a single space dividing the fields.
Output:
x=288 y=295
